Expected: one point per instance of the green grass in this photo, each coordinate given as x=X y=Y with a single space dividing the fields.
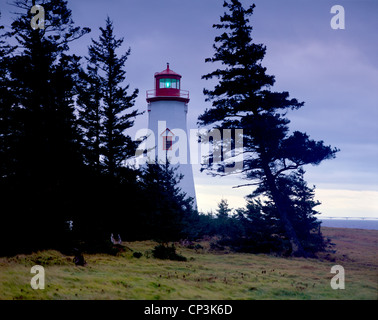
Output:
x=206 y=275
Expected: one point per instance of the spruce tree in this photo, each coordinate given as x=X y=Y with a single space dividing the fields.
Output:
x=243 y=99
x=116 y=146
x=8 y=128
x=168 y=209
x=90 y=117
x=104 y=115
x=225 y=223
x=45 y=154
x=301 y=212
x=223 y=210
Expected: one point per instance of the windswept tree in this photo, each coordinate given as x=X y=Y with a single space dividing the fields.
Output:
x=261 y=228
x=243 y=99
x=109 y=99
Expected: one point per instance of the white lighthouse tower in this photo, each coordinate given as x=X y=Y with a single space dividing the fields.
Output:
x=167 y=113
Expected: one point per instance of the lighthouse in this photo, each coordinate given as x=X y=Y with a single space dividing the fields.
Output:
x=167 y=120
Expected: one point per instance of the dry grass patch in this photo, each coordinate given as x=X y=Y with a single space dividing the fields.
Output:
x=205 y=275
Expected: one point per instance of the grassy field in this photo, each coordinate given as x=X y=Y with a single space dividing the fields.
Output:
x=206 y=274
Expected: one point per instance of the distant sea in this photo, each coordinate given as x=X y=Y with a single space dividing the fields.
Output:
x=350 y=223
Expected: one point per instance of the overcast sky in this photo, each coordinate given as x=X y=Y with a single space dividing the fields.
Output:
x=335 y=72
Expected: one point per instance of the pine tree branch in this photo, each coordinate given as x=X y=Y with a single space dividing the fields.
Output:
x=247 y=184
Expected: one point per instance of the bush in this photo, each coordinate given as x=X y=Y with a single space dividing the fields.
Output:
x=162 y=251
x=137 y=254
x=198 y=247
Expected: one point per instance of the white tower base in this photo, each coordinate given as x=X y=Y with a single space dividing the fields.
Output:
x=167 y=120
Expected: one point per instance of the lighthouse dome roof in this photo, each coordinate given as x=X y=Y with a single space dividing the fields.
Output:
x=168 y=72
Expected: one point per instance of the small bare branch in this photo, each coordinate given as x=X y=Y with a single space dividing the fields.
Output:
x=246 y=185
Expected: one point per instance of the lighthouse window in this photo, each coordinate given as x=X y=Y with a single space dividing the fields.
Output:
x=169 y=83
x=167 y=143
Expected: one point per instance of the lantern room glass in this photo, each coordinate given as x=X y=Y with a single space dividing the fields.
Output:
x=169 y=84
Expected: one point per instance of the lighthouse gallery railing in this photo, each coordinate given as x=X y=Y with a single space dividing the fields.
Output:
x=181 y=94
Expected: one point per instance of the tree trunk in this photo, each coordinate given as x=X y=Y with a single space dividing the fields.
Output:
x=297 y=249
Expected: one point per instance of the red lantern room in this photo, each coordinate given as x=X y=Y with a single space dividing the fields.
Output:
x=167 y=87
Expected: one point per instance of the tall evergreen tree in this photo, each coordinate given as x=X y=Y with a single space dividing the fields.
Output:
x=45 y=154
x=8 y=129
x=243 y=99
x=104 y=117
x=168 y=209
x=116 y=147
x=90 y=117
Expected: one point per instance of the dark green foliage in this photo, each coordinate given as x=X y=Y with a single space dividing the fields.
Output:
x=61 y=164
x=137 y=254
x=258 y=227
x=222 y=222
x=107 y=205
x=258 y=233
x=105 y=104
x=8 y=127
x=197 y=226
x=112 y=193
x=243 y=99
x=113 y=196
x=90 y=117
x=41 y=141
x=166 y=209
x=164 y=251
x=223 y=211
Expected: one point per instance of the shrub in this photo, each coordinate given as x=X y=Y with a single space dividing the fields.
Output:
x=137 y=254
x=163 y=251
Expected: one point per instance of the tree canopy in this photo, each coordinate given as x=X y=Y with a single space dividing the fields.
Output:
x=243 y=98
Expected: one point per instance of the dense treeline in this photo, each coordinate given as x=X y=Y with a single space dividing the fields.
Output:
x=64 y=182
x=64 y=142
